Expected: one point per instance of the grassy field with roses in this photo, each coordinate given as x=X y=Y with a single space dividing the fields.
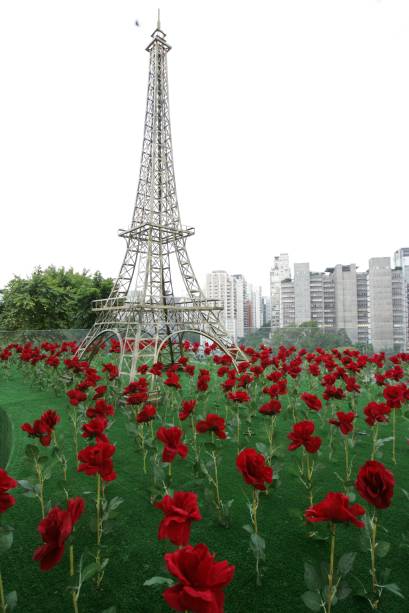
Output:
x=253 y=515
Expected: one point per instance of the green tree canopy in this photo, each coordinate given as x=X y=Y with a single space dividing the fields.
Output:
x=52 y=298
x=310 y=335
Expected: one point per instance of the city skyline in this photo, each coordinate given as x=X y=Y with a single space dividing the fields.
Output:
x=332 y=152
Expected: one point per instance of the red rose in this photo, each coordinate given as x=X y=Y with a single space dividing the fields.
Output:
x=112 y=370
x=335 y=507
x=239 y=396
x=96 y=459
x=76 y=396
x=394 y=396
x=172 y=380
x=39 y=430
x=376 y=412
x=302 y=435
x=171 y=438
x=179 y=510
x=252 y=466
x=201 y=580
x=95 y=429
x=101 y=409
x=99 y=391
x=375 y=484
x=147 y=414
x=6 y=483
x=55 y=528
x=272 y=407
x=51 y=418
x=333 y=392
x=312 y=402
x=187 y=408
x=344 y=421
x=214 y=423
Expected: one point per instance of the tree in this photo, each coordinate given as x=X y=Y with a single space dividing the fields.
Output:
x=310 y=335
x=52 y=298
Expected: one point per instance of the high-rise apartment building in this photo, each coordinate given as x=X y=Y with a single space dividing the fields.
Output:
x=220 y=286
x=279 y=271
x=372 y=307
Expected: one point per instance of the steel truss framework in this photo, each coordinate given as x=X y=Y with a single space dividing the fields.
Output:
x=141 y=311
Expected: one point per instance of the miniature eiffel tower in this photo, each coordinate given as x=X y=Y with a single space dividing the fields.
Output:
x=142 y=311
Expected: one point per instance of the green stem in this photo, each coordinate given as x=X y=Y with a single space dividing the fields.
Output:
x=2 y=599
x=394 y=436
x=40 y=479
x=348 y=466
x=216 y=481
x=374 y=439
x=310 y=470
x=74 y=592
x=330 y=595
x=374 y=525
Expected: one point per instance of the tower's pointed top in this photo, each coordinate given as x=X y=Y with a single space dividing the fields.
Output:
x=158 y=34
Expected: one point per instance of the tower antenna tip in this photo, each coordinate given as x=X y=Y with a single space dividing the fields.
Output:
x=158 y=26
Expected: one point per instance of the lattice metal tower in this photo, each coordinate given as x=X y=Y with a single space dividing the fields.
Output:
x=141 y=311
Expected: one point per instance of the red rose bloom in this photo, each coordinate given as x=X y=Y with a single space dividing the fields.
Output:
x=99 y=391
x=375 y=484
x=212 y=423
x=376 y=412
x=76 y=396
x=344 y=421
x=101 y=409
x=39 y=430
x=335 y=507
x=312 y=402
x=201 y=580
x=172 y=380
x=239 y=396
x=187 y=408
x=96 y=459
x=6 y=483
x=394 y=396
x=147 y=414
x=55 y=528
x=252 y=466
x=302 y=435
x=179 y=510
x=112 y=370
x=95 y=429
x=50 y=418
x=272 y=407
x=171 y=438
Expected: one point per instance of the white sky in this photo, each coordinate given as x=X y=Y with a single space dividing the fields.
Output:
x=290 y=123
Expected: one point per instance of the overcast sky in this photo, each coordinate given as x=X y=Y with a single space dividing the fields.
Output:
x=290 y=125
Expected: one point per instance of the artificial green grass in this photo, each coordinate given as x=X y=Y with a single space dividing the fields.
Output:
x=133 y=549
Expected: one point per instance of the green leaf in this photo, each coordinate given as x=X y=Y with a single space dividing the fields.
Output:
x=343 y=590
x=262 y=448
x=114 y=503
x=6 y=539
x=90 y=571
x=394 y=588
x=258 y=545
x=11 y=600
x=382 y=549
x=312 y=600
x=311 y=577
x=26 y=485
x=248 y=529
x=158 y=581
x=31 y=451
x=346 y=563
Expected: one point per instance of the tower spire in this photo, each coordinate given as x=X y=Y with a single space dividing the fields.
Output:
x=158 y=24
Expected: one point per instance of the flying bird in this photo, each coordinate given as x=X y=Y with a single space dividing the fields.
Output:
x=137 y=23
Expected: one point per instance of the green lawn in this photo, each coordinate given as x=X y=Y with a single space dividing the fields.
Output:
x=136 y=554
